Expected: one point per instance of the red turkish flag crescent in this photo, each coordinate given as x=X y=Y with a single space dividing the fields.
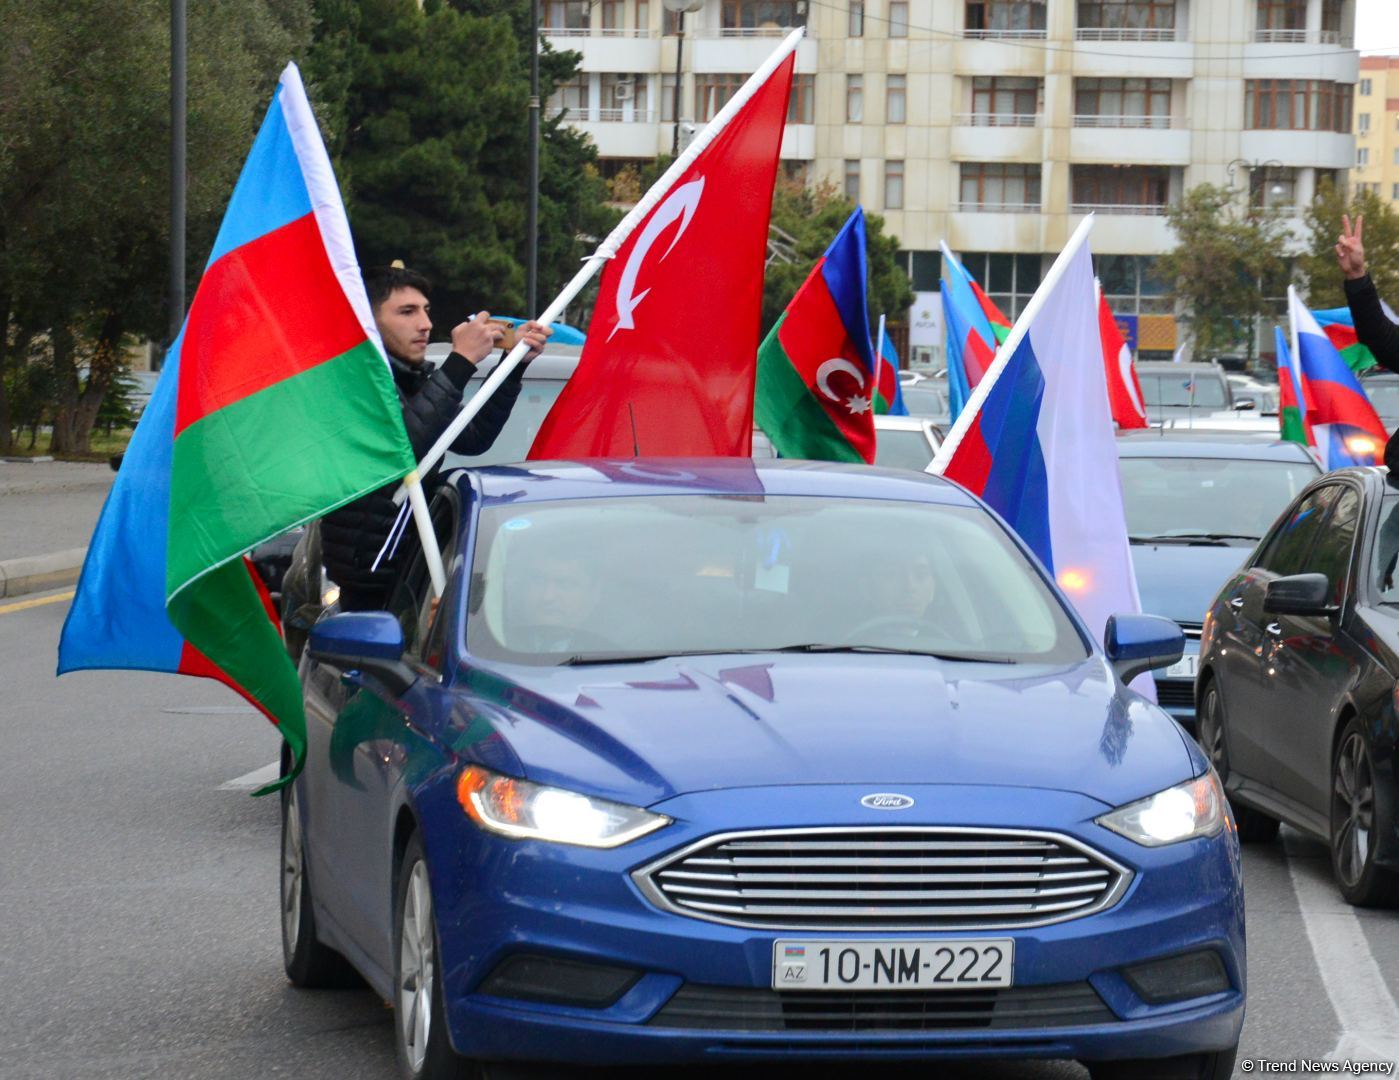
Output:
x=669 y=363
x=1124 y=391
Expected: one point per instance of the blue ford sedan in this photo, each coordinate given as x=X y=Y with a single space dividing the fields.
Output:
x=719 y=761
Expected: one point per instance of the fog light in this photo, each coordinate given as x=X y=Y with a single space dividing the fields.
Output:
x=1178 y=978
x=555 y=981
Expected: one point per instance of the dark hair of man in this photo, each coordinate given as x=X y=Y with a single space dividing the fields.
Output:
x=381 y=281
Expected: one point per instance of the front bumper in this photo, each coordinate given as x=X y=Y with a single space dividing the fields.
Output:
x=1175 y=686
x=702 y=990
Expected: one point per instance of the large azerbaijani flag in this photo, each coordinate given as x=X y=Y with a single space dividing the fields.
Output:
x=1339 y=327
x=975 y=330
x=1348 y=430
x=275 y=405
x=816 y=367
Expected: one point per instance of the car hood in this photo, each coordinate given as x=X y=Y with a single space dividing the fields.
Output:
x=1180 y=581
x=640 y=733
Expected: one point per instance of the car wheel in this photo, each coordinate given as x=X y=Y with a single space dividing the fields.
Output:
x=420 y=1022
x=1353 y=824
x=1255 y=827
x=309 y=963
x=1218 y=1065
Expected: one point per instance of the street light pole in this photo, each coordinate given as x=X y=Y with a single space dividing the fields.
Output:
x=532 y=205
x=679 y=52
x=178 y=75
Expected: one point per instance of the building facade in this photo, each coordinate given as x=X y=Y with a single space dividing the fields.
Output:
x=995 y=125
x=1377 y=127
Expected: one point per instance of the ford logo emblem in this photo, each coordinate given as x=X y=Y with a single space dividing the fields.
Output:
x=887 y=800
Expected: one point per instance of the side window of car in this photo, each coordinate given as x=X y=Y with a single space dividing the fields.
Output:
x=1292 y=542
x=1331 y=555
x=412 y=601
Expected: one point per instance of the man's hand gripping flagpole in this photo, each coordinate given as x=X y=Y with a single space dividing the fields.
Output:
x=606 y=250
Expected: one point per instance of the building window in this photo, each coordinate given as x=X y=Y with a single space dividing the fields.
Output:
x=1130 y=286
x=712 y=93
x=1281 y=20
x=1004 y=102
x=1297 y=105
x=1331 y=22
x=668 y=99
x=1010 y=280
x=854 y=99
x=797 y=172
x=856 y=26
x=1362 y=157
x=852 y=179
x=758 y=18
x=1005 y=18
x=624 y=97
x=1394 y=193
x=1363 y=123
x=1365 y=87
x=643 y=17
x=1127 y=103
x=572 y=97
x=893 y=185
x=895 y=98
x=612 y=15
x=1140 y=189
x=1127 y=20
x=1273 y=190
x=562 y=16
x=995 y=187
x=801 y=106
x=898 y=18
x=670 y=22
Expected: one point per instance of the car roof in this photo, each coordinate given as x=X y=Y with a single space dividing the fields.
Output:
x=555 y=362
x=888 y=422
x=1244 y=446
x=1158 y=367
x=543 y=481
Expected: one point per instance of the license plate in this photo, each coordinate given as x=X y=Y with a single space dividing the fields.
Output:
x=978 y=963
x=1184 y=668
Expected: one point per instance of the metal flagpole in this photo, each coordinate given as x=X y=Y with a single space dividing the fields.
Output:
x=431 y=550
x=608 y=249
x=178 y=69
x=1008 y=347
x=879 y=362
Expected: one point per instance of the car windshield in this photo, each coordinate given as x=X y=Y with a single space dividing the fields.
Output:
x=537 y=397
x=900 y=449
x=590 y=580
x=1172 y=388
x=1168 y=497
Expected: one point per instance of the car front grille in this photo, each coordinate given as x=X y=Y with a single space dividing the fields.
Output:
x=1177 y=693
x=723 y=1008
x=885 y=879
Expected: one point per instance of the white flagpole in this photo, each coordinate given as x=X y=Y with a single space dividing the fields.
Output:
x=1008 y=347
x=431 y=550
x=608 y=248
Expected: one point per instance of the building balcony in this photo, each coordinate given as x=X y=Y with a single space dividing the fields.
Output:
x=1105 y=141
x=999 y=208
x=1302 y=37
x=1010 y=120
x=1155 y=123
x=623 y=51
x=1120 y=209
x=600 y=32
x=1005 y=35
x=970 y=142
x=1123 y=33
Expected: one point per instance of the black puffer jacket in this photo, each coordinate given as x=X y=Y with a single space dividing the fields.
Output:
x=1381 y=337
x=352 y=536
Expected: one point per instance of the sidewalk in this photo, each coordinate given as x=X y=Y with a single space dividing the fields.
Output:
x=47 y=514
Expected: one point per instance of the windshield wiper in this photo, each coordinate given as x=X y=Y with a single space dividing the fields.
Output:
x=807 y=647
x=1192 y=539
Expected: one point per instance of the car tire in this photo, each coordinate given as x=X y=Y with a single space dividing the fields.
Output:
x=421 y=1042
x=1218 y=1065
x=309 y=963
x=1255 y=827
x=1353 y=823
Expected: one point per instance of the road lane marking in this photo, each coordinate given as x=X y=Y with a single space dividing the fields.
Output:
x=255 y=779
x=1365 y=1008
x=25 y=604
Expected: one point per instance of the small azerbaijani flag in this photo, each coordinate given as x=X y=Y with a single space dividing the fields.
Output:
x=1000 y=325
x=890 y=396
x=794 y=950
x=1348 y=430
x=972 y=339
x=816 y=368
x=1039 y=449
x=1339 y=328
x=275 y=405
x=1292 y=417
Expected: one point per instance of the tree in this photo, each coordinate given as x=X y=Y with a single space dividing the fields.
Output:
x=1227 y=269
x=1317 y=266
x=812 y=217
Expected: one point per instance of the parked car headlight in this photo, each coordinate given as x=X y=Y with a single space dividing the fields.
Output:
x=1194 y=808
x=522 y=810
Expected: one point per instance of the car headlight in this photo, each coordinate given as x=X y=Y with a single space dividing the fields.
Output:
x=522 y=810
x=1184 y=812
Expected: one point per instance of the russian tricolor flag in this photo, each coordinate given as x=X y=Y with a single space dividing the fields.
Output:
x=1036 y=443
x=1347 y=428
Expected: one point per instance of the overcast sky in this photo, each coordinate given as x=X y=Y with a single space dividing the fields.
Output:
x=1377 y=26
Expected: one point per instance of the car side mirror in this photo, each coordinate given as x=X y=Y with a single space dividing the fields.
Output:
x=368 y=641
x=1246 y=405
x=1299 y=594
x=1136 y=644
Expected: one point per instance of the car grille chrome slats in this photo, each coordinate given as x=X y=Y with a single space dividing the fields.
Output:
x=1177 y=693
x=893 y=878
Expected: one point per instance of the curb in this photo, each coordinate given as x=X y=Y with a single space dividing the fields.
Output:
x=34 y=573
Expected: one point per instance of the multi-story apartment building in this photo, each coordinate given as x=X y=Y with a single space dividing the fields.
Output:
x=1377 y=127
x=997 y=124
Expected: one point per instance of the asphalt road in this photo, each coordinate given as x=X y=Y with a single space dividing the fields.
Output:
x=139 y=919
x=49 y=506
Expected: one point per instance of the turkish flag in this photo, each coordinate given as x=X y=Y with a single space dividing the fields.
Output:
x=669 y=363
x=1124 y=391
